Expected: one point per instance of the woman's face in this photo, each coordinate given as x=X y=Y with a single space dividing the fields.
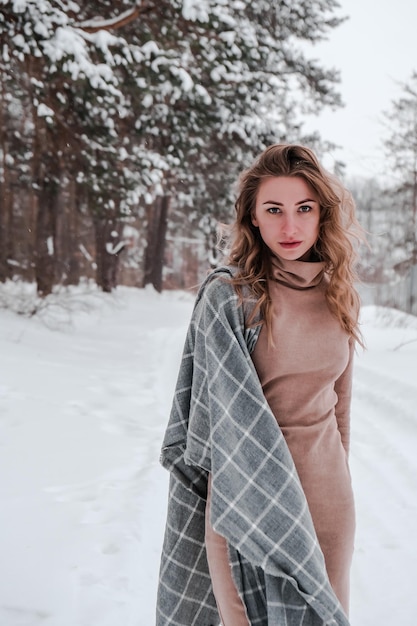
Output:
x=287 y=213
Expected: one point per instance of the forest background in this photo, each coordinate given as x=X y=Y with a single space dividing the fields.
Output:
x=124 y=126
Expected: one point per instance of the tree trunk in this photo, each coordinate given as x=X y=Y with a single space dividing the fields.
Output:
x=45 y=256
x=412 y=294
x=6 y=197
x=70 y=235
x=108 y=249
x=73 y=262
x=155 y=249
x=3 y=234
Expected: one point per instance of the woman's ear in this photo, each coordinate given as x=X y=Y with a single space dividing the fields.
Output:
x=254 y=220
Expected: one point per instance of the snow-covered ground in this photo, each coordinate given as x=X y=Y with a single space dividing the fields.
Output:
x=85 y=391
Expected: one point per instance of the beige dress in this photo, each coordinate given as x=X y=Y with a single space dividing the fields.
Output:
x=306 y=377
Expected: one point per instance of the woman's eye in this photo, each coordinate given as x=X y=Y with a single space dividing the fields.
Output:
x=304 y=209
x=273 y=210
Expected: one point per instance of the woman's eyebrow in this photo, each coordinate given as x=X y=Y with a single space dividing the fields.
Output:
x=306 y=200
x=281 y=204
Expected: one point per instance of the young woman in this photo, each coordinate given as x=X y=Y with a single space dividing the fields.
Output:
x=261 y=522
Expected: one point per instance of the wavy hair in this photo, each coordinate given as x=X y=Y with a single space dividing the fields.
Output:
x=335 y=246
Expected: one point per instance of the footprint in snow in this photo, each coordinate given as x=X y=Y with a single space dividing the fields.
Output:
x=20 y=616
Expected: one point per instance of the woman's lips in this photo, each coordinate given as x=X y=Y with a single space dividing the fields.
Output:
x=289 y=244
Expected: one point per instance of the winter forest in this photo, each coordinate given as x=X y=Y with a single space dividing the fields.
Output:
x=124 y=125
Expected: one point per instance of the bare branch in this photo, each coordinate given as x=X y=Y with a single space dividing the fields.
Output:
x=404 y=343
x=96 y=24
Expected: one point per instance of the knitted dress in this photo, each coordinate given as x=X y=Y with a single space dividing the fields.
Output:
x=306 y=378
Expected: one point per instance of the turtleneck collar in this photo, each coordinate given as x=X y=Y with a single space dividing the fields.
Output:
x=297 y=274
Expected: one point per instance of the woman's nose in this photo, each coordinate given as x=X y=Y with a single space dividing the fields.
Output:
x=288 y=225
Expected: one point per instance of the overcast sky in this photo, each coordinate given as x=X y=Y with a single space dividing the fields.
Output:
x=374 y=50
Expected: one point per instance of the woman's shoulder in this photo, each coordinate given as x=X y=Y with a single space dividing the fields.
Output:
x=218 y=283
x=218 y=296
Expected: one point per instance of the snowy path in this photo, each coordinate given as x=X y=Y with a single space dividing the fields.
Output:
x=82 y=497
x=384 y=468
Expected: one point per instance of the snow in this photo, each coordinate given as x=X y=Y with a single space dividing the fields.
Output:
x=85 y=391
x=195 y=10
x=44 y=111
x=186 y=80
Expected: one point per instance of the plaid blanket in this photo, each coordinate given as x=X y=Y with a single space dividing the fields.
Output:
x=221 y=423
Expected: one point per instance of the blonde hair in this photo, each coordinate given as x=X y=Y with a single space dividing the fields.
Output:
x=338 y=231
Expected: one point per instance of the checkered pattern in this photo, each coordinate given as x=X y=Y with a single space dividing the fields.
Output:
x=221 y=423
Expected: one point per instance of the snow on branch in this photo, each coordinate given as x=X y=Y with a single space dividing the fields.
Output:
x=96 y=24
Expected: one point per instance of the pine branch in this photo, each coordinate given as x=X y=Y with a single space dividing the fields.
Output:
x=96 y=24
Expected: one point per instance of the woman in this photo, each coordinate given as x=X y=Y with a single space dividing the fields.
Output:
x=261 y=515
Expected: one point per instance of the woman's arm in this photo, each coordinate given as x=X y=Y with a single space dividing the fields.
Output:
x=343 y=389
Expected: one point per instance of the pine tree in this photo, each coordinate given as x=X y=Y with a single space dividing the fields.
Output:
x=149 y=111
x=401 y=147
x=222 y=81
